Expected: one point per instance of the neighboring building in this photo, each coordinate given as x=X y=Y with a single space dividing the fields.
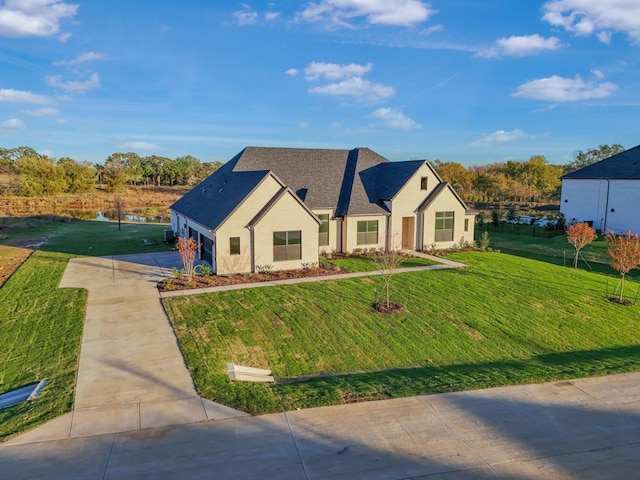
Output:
x=281 y=207
x=605 y=194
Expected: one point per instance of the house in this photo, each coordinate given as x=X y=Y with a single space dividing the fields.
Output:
x=280 y=207
x=606 y=194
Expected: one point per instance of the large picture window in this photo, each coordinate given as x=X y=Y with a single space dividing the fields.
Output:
x=323 y=235
x=367 y=232
x=287 y=245
x=444 y=226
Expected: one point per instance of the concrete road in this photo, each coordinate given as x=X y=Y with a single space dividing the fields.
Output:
x=582 y=429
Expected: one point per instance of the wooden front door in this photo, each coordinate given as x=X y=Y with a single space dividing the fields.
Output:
x=408 y=233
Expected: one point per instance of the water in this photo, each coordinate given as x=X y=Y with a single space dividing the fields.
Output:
x=133 y=217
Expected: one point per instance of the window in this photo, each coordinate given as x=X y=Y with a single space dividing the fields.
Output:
x=466 y=224
x=287 y=245
x=234 y=245
x=323 y=236
x=367 y=232
x=444 y=226
x=423 y=183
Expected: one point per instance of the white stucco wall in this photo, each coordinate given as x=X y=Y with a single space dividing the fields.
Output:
x=407 y=201
x=610 y=204
x=350 y=232
x=284 y=216
x=235 y=226
x=447 y=202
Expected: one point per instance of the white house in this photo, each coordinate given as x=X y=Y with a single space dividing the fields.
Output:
x=605 y=194
x=281 y=207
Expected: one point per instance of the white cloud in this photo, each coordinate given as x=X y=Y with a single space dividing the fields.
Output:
x=146 y=146
x=271 y=15
x=13 y=124
x=520 y=46
x=246 y=16
x=333 y=71
x=586 y=17
x=40 y=18
x=42 y=112
x=64 y=37
x=82 y=58
x=394 y=118
x=304 y=124
x=500 y=136
x=292 y=71
x=73 y=86
x=21 y=96
x=559 y=89
x=363 y=90
x=341 y=13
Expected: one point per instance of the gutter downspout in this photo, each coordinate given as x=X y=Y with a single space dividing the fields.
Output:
x=606 y=209
x=252 y=249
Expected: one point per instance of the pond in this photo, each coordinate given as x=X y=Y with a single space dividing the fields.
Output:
x=134 y=216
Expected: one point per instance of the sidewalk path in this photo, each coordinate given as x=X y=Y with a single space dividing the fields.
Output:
x=131 y=374
x=586 y=429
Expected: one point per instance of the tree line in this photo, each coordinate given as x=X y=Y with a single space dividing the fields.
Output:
x=534 y=180
x=25 y=172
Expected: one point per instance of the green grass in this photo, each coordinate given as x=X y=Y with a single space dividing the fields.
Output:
x=518 y=240
x=365 y=264
x=502 y=320
x=41 y=325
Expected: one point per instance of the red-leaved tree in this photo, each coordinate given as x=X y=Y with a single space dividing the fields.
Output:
x=188 y=250
x=580 y=235
x=624 y=252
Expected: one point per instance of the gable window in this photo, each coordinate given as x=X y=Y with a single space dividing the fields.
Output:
x=234 y=245
x=423 y=183
x=444 y=226
x=466 y=224
x=287 y=245
x=367 y=232
x=323 y=236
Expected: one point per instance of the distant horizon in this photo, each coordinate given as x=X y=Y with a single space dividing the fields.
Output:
x=409 y=79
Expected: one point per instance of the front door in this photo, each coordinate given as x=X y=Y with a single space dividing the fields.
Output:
x=408 y=234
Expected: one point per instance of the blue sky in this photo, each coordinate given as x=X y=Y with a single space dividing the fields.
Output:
x=456 y=80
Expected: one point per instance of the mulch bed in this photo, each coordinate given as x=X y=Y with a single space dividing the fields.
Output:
x=621 y=301
x=382 y=307
x=200 y=281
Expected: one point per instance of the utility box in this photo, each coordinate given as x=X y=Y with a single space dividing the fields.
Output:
x=169 y=237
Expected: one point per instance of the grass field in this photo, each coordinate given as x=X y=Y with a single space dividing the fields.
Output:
x=518 y=240
x=41 y=325
x=365 y=264
x=502 y=320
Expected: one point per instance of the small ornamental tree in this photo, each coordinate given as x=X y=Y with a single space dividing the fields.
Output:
x=188 y=250
x=387 y=262
x=624 y=252
x=119 y=206
x=580 y=235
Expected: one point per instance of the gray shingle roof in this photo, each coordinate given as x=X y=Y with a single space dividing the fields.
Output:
x=215 y=198
x=623 y=166
x=349 y=182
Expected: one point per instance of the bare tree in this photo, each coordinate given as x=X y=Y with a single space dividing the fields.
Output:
x=118 y=203
x=387 y=262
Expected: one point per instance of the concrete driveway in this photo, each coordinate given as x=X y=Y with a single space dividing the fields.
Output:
x=137 y=415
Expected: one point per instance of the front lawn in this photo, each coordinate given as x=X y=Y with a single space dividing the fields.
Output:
x=364 y=263
x=41 y=325
x=502 y=320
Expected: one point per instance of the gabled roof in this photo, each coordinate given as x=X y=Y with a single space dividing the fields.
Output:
x=623 y=166
x=211 y=202
x=274 y=200
x=435 y=193
x=349 y=182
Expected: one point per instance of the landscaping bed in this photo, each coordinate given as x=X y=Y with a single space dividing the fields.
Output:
x=205 y=281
